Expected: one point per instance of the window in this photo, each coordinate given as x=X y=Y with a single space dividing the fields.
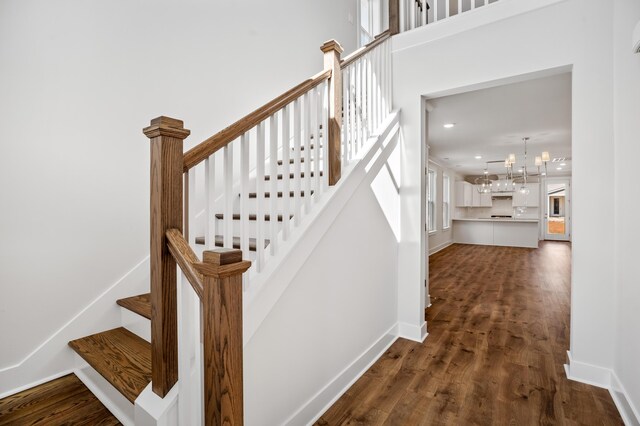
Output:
x=431 y=201
x=446 y=200
x=366 y=22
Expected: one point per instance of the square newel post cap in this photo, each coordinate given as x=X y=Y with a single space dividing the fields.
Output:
x=331 y=45
x=222 y=263
x=166 y=126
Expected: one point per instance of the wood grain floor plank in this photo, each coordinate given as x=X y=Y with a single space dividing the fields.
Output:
x=498 y=336
x=63 y=401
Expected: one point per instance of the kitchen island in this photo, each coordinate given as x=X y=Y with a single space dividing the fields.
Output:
x=497 y=232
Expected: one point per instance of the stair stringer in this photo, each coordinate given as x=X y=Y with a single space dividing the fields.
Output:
x=267 y=287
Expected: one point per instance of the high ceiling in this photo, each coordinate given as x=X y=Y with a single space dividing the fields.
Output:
x=492 y=122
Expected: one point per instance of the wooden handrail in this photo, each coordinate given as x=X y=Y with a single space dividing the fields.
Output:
x=186 y=258
x=380 y=38
x=210 y=145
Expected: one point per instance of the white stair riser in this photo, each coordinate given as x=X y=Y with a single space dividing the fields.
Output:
x=137 y=324
x=252 y=228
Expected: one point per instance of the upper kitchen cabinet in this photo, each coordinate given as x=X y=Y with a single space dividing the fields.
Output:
x=532 y=199
x=464 y=194
x=486 y=200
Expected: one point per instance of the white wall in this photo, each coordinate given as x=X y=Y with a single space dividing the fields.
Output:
x=574 y=34
x=441 y=237
x=78 y=82
x=626 y=107
x=340 y=303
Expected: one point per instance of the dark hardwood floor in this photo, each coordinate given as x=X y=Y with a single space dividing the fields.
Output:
x=498 y=335
x=64 y=401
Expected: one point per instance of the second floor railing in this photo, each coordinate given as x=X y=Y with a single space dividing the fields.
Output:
x=422 y=12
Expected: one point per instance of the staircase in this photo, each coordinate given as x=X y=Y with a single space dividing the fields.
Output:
x=264 y=177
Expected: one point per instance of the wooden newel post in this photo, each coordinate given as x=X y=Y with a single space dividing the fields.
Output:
x=222 y=330
x=332 y=51
x=394 y=17
x=167 y=136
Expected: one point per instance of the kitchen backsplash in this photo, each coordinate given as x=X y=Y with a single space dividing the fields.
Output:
x=500 y=207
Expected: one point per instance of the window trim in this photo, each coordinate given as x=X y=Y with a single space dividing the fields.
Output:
x=446 y=190
x=431 y=198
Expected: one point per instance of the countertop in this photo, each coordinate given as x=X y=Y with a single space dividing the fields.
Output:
x=497 y=219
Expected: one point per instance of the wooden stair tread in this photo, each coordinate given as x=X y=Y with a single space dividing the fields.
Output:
x=65 y=400
x=279 y=194
x=120 y=356
x=236 y=242
x=267 y=217
x=291 y=176
x=140 y=304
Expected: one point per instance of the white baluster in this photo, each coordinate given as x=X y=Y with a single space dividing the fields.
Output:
x=297 y=166
x=229 y=196
x=306 y=139
x=370 y=120
x=321 y=143
x=473 y=4
x=378 y=95
x=317 y=141
x=325 y=145
x=447 y=11
x=435 y=10
x=209 y=191
x=286 y=170
x=191 y=176
x=190 y=355
x=460 y=6
x=353 y=129
x=360 y=103
x=273 y=183
x=244 y=194
x=260 y=200
x=346 y=111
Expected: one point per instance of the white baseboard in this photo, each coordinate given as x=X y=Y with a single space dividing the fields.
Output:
x=629 y=413
x=412 y=332
x=440 y=247
x=311 y=411
x=604 y=378
x=53 y=357
x=587 y=373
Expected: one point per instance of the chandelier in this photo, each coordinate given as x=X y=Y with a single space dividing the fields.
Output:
x=485 y=185
x=524 y=173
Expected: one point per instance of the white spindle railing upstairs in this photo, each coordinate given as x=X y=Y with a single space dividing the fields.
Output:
x=422 y=12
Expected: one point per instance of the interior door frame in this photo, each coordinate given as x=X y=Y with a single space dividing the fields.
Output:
x=568 y=210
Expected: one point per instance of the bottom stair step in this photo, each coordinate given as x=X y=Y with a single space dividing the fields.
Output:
x=120 y=356
x=63 y=401
x=236 y=242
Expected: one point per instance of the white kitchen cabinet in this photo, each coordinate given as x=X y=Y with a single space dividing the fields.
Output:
x=485 y=200
x=475 y=196
x=464 y=194
x=532 y=199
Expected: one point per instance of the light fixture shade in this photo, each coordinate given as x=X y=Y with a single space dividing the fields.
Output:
x=545 y=156
x=507 y=163
x=512 y=158
x=538 y=161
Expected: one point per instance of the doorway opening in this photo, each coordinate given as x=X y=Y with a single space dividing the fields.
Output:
x=557 y=214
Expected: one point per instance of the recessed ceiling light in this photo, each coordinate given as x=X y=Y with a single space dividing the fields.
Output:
x=449 y=125
x=543 y=174
x=519 y=170
x=563 y=164
x=558 y=168
x=478 y=157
